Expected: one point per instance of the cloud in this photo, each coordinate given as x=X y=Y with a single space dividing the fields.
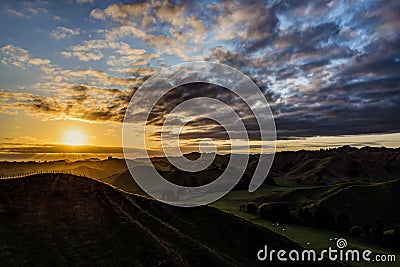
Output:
x=28 y=9
x=177 y=33
x=251 y=21
x=84 y=56
x=76 y=102
x=84 y=1
x=39 y=61
x=36 y=10
x=124 y=13
x=92 y=49
x=171 y=13
x=98 y=44
x=63 y=33
x=98 y=14
x=130 y=60
x=223 y=55
x=125 y=30
x=15 y=12
x=12 y=55
x=20 y=58
x=105 y=78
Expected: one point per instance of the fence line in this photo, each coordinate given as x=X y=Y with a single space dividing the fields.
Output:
x=25 y=174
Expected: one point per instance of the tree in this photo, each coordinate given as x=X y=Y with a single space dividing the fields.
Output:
x=343 y=222
x=378 y=230
x=305 y=216
x=264 y=210
x=355 y=231
x=322 y=217
x=251 y=208
x=283 y=213
x=396 y=235
x=367 y=230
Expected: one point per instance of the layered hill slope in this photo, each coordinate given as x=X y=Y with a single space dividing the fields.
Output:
x=365 y=202
x=337 y=165
x=322 y=167
x=66 y=220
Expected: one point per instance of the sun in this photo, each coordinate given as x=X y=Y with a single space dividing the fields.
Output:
x=75 y=137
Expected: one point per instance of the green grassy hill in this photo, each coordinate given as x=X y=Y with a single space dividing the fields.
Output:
x=66 y=220
x=364 y=202
x=342 y=164
x=303 y=196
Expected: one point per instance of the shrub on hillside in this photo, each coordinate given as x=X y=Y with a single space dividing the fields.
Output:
x=355 y=231
x=265 y=211
x=378 y=230
x=275 y=212
x=343 y=222
x=283 y=213
x=396 y=235
x=332 y=221
x=251 y=208
x=367 y=229
x=322 y=217
x=305 y=216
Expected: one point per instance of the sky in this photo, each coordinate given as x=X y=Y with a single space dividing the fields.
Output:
x=330 y=70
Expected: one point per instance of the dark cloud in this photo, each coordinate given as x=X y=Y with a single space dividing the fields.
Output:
x=78 y=101
x=327 y=67
x=202 y=126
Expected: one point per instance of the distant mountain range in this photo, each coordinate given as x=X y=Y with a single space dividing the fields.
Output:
x=322 y=167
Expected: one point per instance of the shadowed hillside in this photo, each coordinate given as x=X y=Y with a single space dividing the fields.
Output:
x=321 y=167
x=124 y=181
x=365 y=202
x=59 y=219
x=98 y=169
x=330 y=166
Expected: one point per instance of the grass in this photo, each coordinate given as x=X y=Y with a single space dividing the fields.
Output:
x=307 y=237
x=65 y=220
x=363 y=202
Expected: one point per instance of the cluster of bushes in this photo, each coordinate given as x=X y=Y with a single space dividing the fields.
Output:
x=322 y=218
x=375 y=232
x=274 y=212
x=270 y=211
x=392 y=237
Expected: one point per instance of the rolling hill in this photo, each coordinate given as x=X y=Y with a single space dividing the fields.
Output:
x=123 y=181
x=321 y=167
x=364 y=203
x=341 y=164
x=66 y=220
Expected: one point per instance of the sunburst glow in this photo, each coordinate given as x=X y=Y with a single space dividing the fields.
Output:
x=75 y=137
